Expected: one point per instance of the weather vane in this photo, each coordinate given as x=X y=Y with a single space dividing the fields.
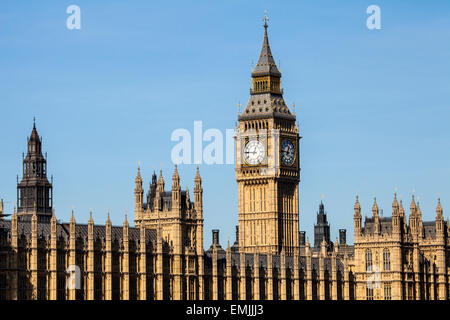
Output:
x=265 y=18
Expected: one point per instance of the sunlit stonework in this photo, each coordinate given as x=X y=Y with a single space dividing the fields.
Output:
x=162 y=256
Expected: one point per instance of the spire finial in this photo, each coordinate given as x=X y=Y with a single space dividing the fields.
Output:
x=197 y=174
x=413 y=203
x=138 y=175
x=265 y=19
x=357 y=206
x=239 y=106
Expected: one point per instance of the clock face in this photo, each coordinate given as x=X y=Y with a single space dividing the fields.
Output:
x=254 y=152
x=287 y=152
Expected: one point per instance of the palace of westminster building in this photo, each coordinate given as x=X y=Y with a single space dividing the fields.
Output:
x=162 y=256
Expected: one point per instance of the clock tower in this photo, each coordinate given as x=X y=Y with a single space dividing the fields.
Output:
x=267 y=164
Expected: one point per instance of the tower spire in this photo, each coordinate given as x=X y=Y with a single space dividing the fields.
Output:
x=265 y=19
x=439 y=210
x=266 y=63
x=266 y=89
x=34 y=190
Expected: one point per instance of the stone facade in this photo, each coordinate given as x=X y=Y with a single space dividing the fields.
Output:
x=401 y=260
x=162 y=256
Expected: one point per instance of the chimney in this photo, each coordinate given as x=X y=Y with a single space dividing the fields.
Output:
x=302 y=237
x=342 y=236
x=215 y=237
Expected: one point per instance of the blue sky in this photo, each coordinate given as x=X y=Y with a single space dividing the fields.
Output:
x=373 y=105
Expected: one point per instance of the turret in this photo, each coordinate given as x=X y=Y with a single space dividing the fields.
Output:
x=357 y=218
x=396 y=215
x=72 y=226
x=439 y=219
x=376 y=216
x=395 y=206
x=160 y=185
x=176 y=191
x=34 y=192
x=321 y=228
x=412 y=216
x=53 y=223
x=90 y=228
x=159 y=192
x=198 y=206
x=419 y=219
x=108 y=229
x=198 y=194
x=152 y=193
x=138 y=194
x=125 y=230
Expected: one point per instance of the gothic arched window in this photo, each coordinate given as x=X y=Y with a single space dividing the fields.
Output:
x=386 y=260
x=368 y=260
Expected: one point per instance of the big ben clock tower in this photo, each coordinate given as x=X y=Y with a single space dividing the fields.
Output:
x=267 y=164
